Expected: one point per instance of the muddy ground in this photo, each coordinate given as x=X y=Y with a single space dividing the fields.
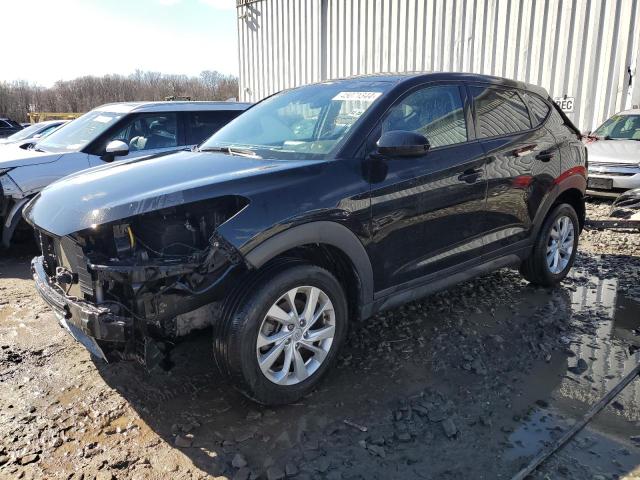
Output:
x=469 y=383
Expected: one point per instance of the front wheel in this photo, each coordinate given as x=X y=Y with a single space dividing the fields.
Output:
x=282 y=333
x=555 y=249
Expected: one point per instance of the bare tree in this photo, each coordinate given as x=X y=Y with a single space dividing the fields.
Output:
x=82 y=94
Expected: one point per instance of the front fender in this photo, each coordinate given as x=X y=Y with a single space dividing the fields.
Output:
x=329 y=233
x=12 y=220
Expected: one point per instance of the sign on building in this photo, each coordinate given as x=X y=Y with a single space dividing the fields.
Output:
x=565 y=103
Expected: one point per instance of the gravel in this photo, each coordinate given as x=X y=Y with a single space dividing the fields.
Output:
x=446 y=387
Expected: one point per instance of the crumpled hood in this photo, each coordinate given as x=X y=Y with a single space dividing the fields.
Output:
x=12 y=156
x=614 y=151
x=123 y=189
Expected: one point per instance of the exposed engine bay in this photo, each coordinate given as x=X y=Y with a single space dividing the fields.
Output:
x=158 y=274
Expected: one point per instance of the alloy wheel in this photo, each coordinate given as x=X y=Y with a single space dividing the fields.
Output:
x=296 y=335
x=560 y=244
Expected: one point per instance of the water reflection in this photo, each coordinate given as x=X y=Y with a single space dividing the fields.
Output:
x=611 y=350
x=606 y=346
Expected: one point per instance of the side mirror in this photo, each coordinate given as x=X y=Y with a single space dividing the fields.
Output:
x=401 y=143
x=37 y=135
x=115 y=148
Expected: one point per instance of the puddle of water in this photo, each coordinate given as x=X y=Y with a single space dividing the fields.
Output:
x=609 y=347
x=611 y=351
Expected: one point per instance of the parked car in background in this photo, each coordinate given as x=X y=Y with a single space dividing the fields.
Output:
x=320 y=205
x=30 y=135
x=111 y=132
x=8 y=127
x=614 y=155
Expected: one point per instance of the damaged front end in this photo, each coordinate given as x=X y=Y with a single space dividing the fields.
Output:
x=132 y=287
x=12 y=200
x=627 y=206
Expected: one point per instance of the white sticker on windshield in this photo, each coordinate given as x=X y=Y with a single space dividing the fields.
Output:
x=102 y=119
x=363 y=96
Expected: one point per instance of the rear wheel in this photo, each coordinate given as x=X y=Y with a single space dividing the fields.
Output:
x=555 y=249
x=282 y=332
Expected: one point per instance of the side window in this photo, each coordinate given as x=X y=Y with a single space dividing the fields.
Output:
x=148 y=131
x=499 y=112
x=204 y=124
x=4 y=125
x=48 y=130
x=538 y=107
x=436 y=112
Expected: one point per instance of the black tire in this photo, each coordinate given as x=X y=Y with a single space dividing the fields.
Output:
x=236 y=334
x=535 y=268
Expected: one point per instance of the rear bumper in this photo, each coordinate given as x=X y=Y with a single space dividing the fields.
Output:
x=83 y=319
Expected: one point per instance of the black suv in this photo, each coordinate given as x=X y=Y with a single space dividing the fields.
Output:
x=318 y=206
x=9 y=127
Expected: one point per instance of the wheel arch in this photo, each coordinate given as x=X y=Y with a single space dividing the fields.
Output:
x=338 y=242
x=13 y=219
x=575 y=198
x=570 y=190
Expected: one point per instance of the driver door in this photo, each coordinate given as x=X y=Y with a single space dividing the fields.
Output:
x=146 y=134
x=427 y=211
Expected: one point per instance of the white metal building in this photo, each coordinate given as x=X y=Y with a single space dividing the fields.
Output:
x=585 y=50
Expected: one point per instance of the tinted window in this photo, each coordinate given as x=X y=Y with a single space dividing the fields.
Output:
x=4 y=124
x=148 y=132
x=499 y=112
x=435 y=112
x=538 y=107
x=204 y=124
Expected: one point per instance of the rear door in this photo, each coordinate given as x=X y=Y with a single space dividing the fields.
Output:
x=426 y=211
x=201 y=125
x=522 y=162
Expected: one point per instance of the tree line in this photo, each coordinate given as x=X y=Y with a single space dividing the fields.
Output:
x=81 y=94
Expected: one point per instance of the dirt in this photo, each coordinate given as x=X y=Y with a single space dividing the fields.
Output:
x=468 y=383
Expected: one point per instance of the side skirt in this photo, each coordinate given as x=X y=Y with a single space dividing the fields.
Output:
x=422 y=287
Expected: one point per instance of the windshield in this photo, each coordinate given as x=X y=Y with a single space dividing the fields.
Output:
x=77 y=134
x=304 y=123
x=27 y=132
x=620 y=127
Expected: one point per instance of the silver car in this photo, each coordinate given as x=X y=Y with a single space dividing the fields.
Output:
x=110 y=132
x=31 y=134
x=614 y=155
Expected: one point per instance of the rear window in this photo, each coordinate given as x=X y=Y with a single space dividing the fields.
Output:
x=538 y=107
x=499 y=112
x=202 y=125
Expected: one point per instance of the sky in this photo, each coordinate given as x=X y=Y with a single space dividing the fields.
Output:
x=54 y=40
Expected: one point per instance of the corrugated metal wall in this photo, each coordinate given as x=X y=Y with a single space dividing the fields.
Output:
x=587 y=49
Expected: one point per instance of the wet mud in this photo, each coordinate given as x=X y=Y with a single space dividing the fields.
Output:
x=468 y=383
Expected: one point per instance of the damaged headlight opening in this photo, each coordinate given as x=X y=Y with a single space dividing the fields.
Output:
x=150 y=268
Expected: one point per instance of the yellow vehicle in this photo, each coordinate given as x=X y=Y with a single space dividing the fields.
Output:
x=35 y=117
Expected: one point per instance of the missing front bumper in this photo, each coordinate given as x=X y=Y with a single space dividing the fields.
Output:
x=89 y=324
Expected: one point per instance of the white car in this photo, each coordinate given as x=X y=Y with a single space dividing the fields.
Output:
x=614 y=155
x=111 y=132
x=31 y=134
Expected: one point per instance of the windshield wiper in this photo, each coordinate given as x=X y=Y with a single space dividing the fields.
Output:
x=241 y=152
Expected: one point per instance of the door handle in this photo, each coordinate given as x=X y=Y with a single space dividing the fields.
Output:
x=523 y=151
x=470 y=176
x=546 y=155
